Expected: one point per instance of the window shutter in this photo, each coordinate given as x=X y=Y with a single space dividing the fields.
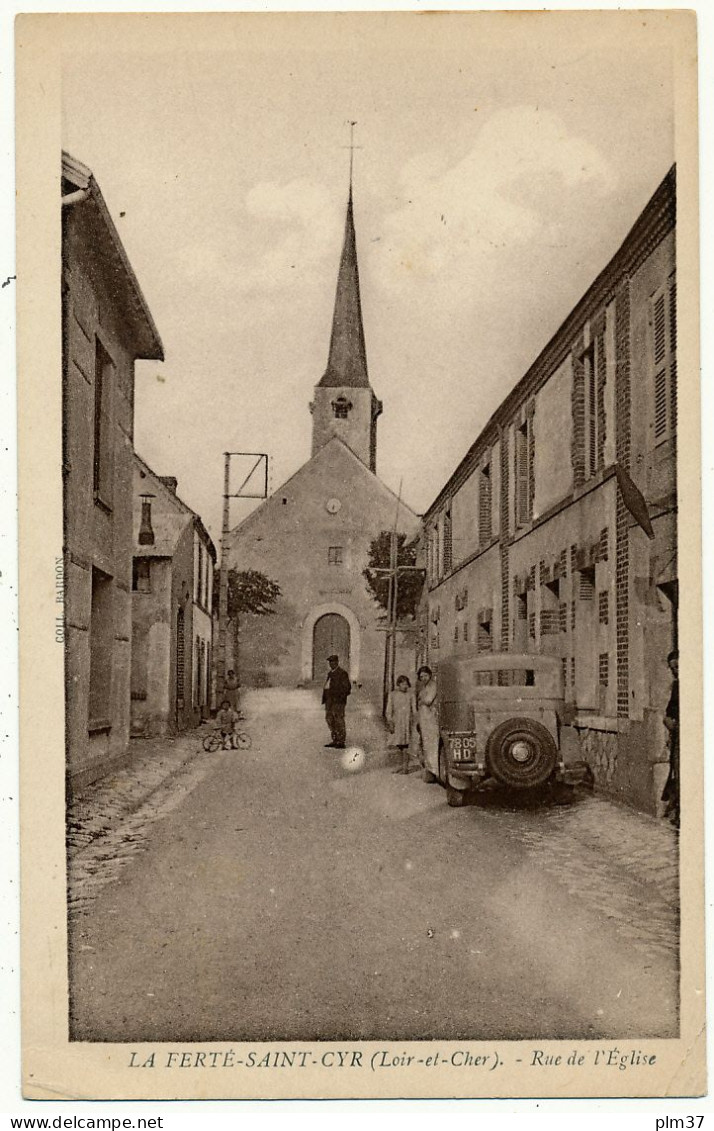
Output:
x=673 y=349
x=592 y=414
x=484 y=506
x=601 y=363
x=660 y=396
x=660 y=341
x=522 y=475
x=448 y=545
x=664 y=357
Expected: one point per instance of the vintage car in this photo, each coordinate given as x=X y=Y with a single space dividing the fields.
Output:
x=501 y=718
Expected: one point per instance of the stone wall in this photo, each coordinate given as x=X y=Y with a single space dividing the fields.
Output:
x=289 y=539
x=97 y=530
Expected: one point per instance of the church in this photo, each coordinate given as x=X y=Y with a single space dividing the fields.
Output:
x=312 y=535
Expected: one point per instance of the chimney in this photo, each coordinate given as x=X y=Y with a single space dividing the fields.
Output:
x=169 y=481
x=146 y=531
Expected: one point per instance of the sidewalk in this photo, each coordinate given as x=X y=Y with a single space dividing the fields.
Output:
x=108 y=821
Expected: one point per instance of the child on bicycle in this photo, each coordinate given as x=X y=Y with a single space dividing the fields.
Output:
x=227 y=719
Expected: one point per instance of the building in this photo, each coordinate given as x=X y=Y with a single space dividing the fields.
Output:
x=106 y=326
x=312 y=535
x=557 y=533
x=172 y=603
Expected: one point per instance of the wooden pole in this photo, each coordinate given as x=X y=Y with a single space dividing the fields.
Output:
x=223 y=584
x=394 y=556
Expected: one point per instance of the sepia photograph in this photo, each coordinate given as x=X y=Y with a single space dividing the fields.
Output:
x=366 y=476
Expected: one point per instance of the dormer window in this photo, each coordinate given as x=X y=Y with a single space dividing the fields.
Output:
x=341 y=407
x=146 y=532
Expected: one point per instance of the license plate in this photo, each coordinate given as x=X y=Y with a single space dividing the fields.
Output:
x=462 y=747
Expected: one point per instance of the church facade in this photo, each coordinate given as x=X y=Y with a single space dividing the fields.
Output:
x=312 y=535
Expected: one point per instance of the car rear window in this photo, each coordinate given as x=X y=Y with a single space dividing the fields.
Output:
x=506 y=677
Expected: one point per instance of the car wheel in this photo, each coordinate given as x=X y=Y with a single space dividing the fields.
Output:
x=455 y=797
x=441 y=775
x=521 y=754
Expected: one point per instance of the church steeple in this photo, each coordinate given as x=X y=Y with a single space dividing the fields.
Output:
x=345 y=404
x=347 y=361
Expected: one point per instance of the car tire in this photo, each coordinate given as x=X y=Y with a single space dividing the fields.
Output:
x=521 y=754
x=455 y=797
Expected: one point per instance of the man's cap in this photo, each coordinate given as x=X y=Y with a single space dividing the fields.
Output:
x=330 y=658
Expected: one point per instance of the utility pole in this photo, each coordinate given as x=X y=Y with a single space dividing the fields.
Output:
x=392 y=626
x=394 y=587
x=223 y=579
x=243 y=492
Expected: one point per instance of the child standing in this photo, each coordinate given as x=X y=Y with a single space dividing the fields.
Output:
x=400 y=720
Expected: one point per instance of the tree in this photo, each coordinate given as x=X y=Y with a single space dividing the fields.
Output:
x=410 y=581
x=249 y=591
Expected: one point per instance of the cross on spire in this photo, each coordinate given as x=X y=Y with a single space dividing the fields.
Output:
x=352 y=148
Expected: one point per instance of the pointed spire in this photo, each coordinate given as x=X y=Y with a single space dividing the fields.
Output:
x=347 y=362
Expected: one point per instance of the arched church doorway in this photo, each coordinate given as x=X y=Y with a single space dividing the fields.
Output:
x=330 y=636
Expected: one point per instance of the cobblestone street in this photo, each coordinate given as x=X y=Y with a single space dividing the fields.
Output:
x=336 y=903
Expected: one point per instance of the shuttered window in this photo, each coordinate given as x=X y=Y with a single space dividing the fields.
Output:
x=603 y=669
x=590 y=369
x=448 y=542
x=484 y=505
x=663 y=324
x=522 y=470
x=484 y=639
x=180 y=656
x=563 y=616
x=586 y=584
x=593 y=406
x=604 y=607
x=104 y=377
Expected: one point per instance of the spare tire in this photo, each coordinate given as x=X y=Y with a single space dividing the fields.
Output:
x=521 y=753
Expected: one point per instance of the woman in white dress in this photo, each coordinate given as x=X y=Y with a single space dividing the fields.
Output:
x=428 y=719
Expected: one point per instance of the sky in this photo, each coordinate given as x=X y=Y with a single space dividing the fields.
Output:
x=502 y=160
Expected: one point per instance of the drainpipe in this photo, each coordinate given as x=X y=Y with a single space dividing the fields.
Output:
x=75 y=197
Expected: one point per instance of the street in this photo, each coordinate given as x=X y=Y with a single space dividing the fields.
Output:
x=271 y=894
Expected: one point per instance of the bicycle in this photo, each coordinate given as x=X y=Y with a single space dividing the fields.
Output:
x=216 y=741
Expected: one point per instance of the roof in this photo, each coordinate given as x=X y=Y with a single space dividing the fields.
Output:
x=165 y=531
x=358 y=468
x=347 y=361
x=111 y=251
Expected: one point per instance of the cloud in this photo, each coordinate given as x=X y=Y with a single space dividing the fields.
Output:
x=279 y=235
x=458 y=225
x=299 y=199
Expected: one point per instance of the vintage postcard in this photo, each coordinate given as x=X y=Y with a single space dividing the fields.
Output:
x=360 y=555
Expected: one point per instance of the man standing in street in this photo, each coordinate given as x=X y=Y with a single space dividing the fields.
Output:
x=334 y=697
x=670 y=794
